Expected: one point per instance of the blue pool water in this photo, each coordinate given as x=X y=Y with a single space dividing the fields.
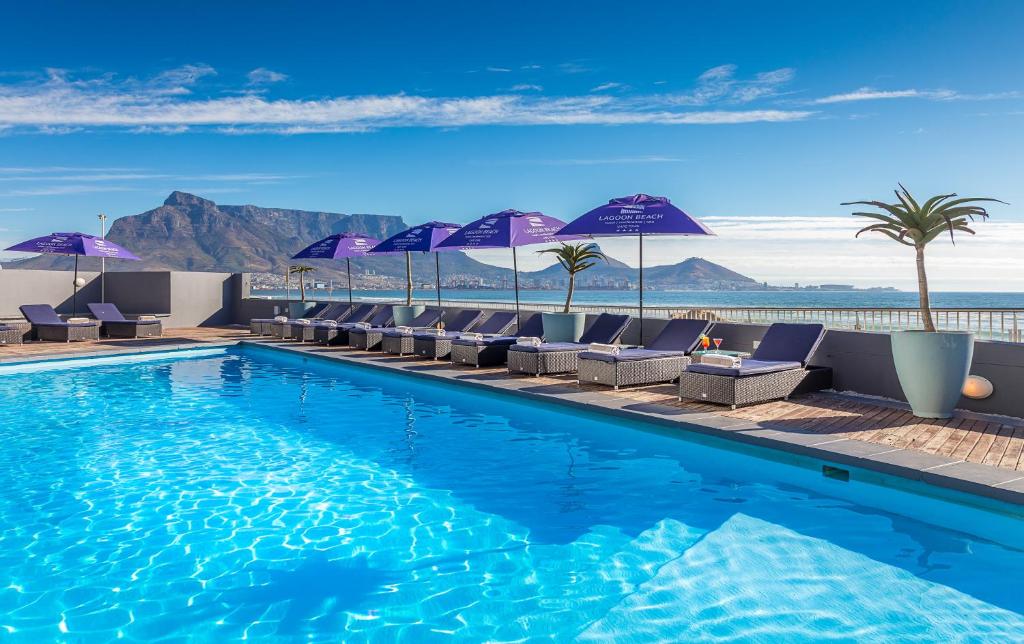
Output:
x=229 y=494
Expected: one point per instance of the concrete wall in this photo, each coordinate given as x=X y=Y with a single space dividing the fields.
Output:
x=180 y=298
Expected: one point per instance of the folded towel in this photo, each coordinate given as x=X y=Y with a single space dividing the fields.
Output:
x=531 y=341
x=437 y=332
x=280 y=318
x=303 y=321
x=613 y=349
x=331 y=323
x=78 y=320
x=472 y=336
x=404 y=330
x=146 y=317
x=730 y=362
x=362 y=325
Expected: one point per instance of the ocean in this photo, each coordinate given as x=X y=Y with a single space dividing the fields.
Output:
x=784 y=299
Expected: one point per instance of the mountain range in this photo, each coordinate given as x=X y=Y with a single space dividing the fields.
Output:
x=189 y=233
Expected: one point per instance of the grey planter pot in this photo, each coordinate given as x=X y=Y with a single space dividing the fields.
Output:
x=932 y=368
x=298 y=309
x=563 y=327
x=405 y=314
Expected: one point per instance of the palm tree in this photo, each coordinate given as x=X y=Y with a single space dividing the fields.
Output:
x=301 y=270
x=917 y=225
x=575 y=258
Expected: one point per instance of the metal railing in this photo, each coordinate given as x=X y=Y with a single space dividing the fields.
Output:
x=988 y=324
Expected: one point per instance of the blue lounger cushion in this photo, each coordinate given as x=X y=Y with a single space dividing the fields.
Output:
x=748 y=367
x=494 y=341
x=549 y=347
x=629 y=355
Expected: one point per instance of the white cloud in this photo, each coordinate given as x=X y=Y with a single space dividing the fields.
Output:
x=870 y=94
x=61 y=102
x=16 y=209
x=605 y=86
x=72 y=189
x=720 y=84
x=527 y=87
x=584 y=162
x=815 y=250
x=500 y=70
x=264 y=76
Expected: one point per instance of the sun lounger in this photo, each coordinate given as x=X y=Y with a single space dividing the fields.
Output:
x=47 y=325
x=777 y=369
x=262 y=326
x=401 y=342
x=283 y=329
x=338 y=334
x=10 y=334
x=661 y=360
x=563 y=357
x=304 y=330
x=437 y=347
x=369 y=339
x=493 y=351
x=113 y=324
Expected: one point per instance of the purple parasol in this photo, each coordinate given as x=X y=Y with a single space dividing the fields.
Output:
x=423 y=238
x=74 y=244
x=338 y=246
x=636 y=215
x=509 y=229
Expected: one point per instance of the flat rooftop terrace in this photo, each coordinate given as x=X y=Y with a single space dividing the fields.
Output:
x=971 y=452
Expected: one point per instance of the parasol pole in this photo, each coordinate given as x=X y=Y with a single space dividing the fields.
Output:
x=515 y=273
x=74 y=297
x=437 y=269
x=641 y=288
x=348 y=269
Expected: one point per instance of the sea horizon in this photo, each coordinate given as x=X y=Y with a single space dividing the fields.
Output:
x=594 y=297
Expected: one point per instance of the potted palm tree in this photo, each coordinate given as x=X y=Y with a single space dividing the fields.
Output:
x=574 y=258
x=298 y=309
x=931 y=364
x=404 y=314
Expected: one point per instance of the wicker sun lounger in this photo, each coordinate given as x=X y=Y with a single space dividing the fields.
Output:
x=47 y=325
x=396 y=341
x=777 y=369
x=10 y=334
x=370 y=339
x=493 y=351
x=337 y=334
x=662 y=360
x=283 y=330
x=113 y=324
x=563 y=357
x=304 y=330
x=438 y=347
x=262 y=326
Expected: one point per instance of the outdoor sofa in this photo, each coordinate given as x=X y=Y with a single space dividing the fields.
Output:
x=337 y=334
x=661 y=360
x=563 y=357
x=262 y=326
x=369 y=339
x=777 y=369
x=113 y=324
x=493 y=351
x=401 y=341
x=305 y=330
x=438 y=346
x=47 y=325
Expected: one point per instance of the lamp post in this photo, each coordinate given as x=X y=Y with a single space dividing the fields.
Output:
x=103 y=262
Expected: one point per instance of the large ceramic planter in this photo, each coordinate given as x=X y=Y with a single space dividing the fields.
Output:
x=563 y=327
x=405 y=314
x=932 y=368
x=298 y=309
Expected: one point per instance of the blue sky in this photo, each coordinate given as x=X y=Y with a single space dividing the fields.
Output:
x=759 y=117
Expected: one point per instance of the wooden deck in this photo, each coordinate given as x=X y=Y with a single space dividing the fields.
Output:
x=969 y=437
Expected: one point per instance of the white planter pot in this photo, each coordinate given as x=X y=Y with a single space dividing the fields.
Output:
x=932 y=368
x=405 y=314
x=563 y=327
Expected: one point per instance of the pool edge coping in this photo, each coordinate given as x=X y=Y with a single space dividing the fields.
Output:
x=960 y=476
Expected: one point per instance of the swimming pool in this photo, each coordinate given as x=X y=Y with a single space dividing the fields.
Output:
x=232 y=493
